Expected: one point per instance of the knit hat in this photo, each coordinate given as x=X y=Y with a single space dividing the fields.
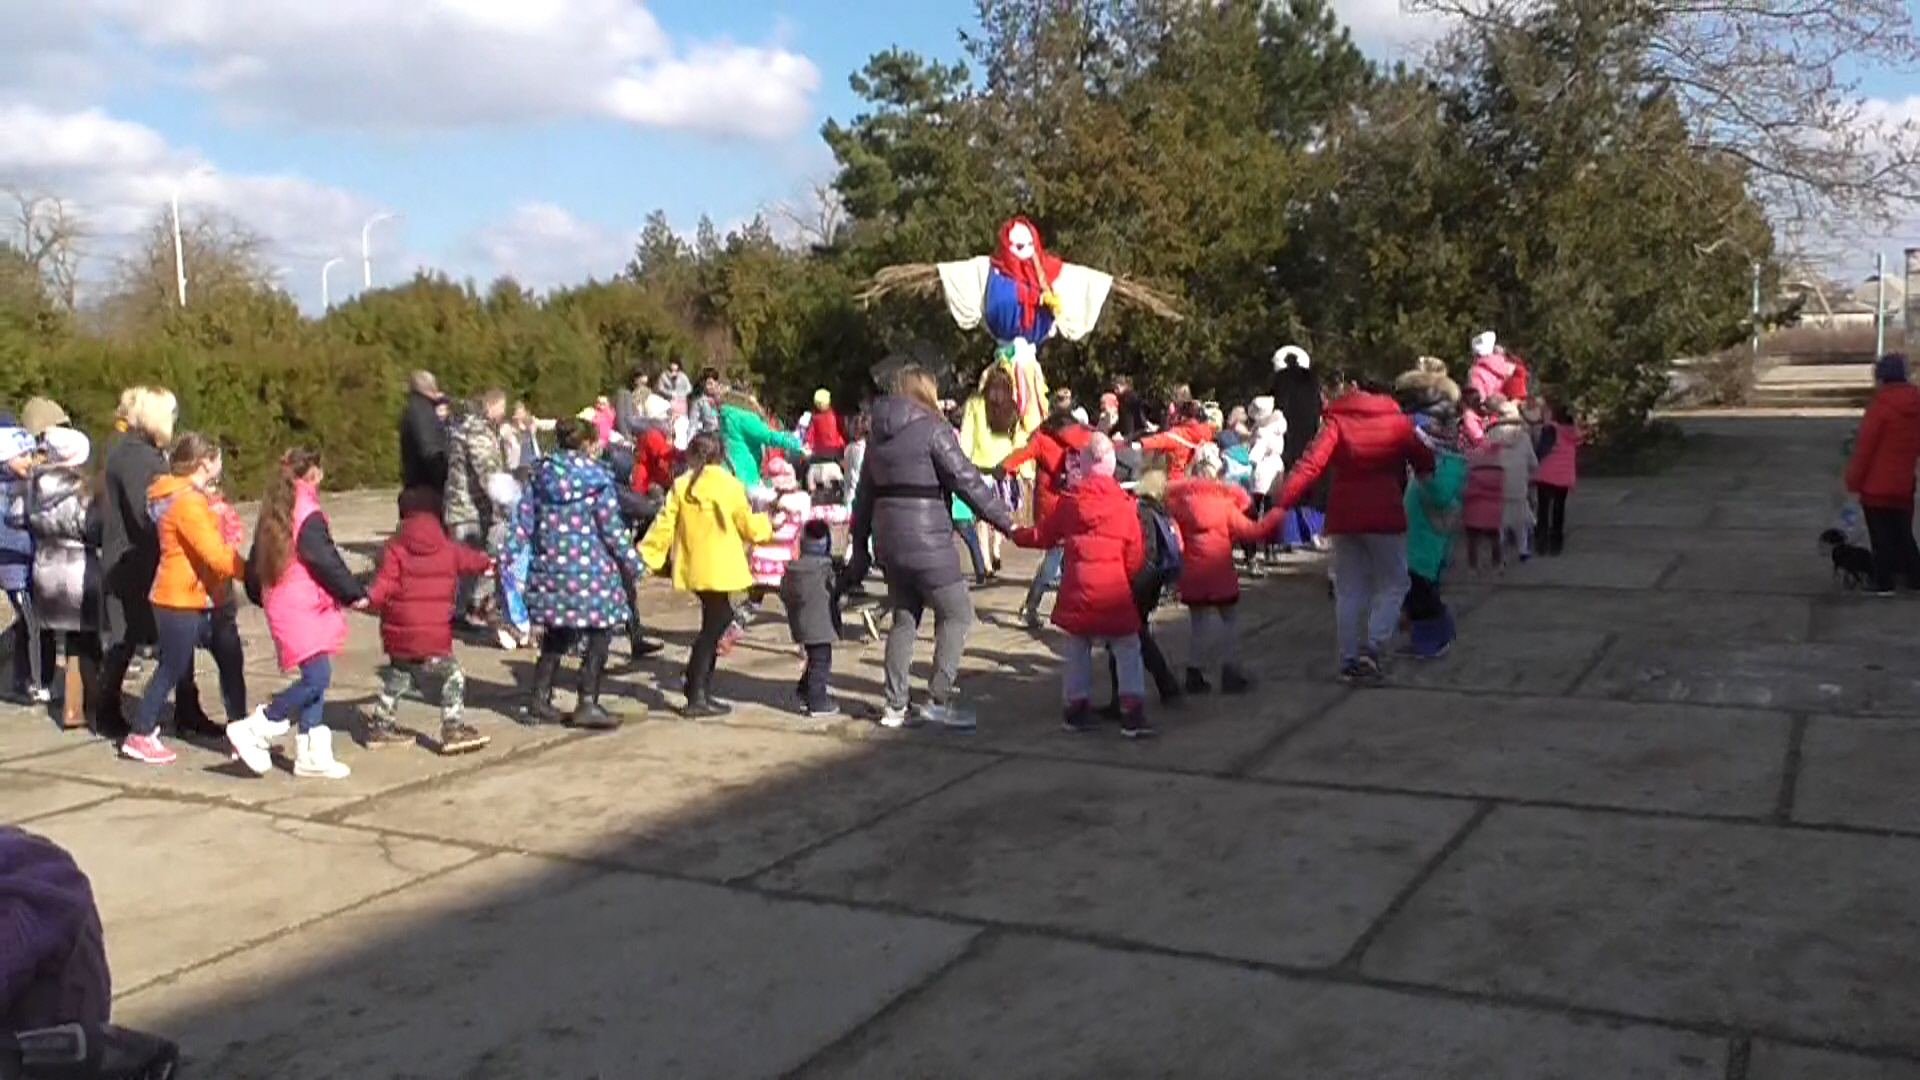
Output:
x=780 y=475
x=1098 y=455
x=40 y=414
x=14 y=442
x=816 y=538
x=53 y=962
x=66 y=447
x=1891 y=368
x=1483 y=343
x=822 y=399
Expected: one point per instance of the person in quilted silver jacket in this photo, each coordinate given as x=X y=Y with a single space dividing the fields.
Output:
x=64 y=518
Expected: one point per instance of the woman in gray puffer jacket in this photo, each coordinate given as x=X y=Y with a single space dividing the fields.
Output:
x=64 y=519
x=913 y=465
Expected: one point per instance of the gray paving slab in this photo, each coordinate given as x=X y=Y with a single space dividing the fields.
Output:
x=1768 y=510
x=514 y=967
x=28 y=732
x=1691 y=513
x=1772 y=1061
x=1226 y=868
x=179 y=884
x=1028 y=1008
x=1777 y=566
x=1856 y=679
x=1757 y=927
x=1590 y=568
x=1846 y=617
x=1857 y=771
x=1631 y=613
x=702 y=800
x=1603 y=753
x=23 y=795
x=208 y=771
x=1508 y=660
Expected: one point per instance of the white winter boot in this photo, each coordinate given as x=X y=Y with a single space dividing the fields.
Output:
x=252 y=739
x=313 y=756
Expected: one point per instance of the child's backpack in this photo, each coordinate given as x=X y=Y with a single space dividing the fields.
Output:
x=1164 y=562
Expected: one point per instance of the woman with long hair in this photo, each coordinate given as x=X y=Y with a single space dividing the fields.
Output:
x=579 y=554
x=913 y=463
x=990 y=431
x=196 y=567
x=704 y=529
x=305 y=587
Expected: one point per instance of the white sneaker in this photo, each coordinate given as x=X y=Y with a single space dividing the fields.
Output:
x=313 y=756
x=252 y=740
x=40 y=695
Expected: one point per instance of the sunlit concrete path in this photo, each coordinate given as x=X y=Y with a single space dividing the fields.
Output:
x=1657 y=816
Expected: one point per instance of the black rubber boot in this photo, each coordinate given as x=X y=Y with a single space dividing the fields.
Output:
x=1197 y=682
x=700 y=703
x=539 y=707
x=587 y=713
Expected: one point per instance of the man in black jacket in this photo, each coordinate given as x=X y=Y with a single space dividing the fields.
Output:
x=423 y=435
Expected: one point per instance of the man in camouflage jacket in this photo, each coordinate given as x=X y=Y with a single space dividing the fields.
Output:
x=474 y=454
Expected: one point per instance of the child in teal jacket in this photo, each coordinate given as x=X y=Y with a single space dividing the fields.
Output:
x=1433 y=509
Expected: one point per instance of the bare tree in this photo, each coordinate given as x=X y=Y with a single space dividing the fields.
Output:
x=47 y=234
x=1760 y=81
x=816 y=218
x=222 y=257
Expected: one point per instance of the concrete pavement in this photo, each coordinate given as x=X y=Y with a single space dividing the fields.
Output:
x=1654 y=817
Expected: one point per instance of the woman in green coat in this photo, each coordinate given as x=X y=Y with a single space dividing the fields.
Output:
x=1433 y=509
x=745 y=436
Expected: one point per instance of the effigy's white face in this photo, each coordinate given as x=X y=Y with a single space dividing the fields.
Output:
x=1020 y=242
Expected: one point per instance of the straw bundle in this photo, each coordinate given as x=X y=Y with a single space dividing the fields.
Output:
x=923 y=279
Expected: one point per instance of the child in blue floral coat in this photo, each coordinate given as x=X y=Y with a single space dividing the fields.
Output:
x=578 y=552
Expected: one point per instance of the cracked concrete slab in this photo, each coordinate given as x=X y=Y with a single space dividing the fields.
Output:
x=1856 y=771
x=180 y=883
x=707 y=801
x=520 y=968
x=1508 y=660
x=1691 y=921
x=1855 y=679
x=1772 y=1061
x=1231 y=869
x=24 y=795
x=1601 y=753
x=1031 y=1009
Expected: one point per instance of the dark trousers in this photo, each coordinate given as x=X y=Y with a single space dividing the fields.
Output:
x=1550 y=531
x=1895 y=556
x=1423 y=599
x=182 y=633
x=560 y=640
x=716 y=611
x=1151 y=657
x=31 y=667
x=814 y=678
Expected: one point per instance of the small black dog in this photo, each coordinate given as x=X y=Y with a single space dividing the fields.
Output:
x=1852 y=564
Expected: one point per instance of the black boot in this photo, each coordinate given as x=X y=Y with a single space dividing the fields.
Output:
x=1234 y=681
x=700 y=703
x=587 y=712
x=1197 y=682
x=637 y=643
x=539 y=707
x=190 y=720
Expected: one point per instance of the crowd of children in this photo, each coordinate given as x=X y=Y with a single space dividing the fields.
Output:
x=1176 y=509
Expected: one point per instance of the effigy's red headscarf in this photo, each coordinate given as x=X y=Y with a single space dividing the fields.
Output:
x=1028 y=283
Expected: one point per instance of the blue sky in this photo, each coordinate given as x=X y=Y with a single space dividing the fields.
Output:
x=522 y=136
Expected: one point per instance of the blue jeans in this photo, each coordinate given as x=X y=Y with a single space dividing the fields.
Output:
x=1044 y=578
x=971 y=538
x=306 y=697
x=181 y=634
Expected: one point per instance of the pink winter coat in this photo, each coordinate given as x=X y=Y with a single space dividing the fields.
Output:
x=790 y=513
x=1490 y=374
x=304 y=618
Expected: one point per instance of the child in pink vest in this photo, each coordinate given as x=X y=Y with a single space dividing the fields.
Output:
x=1558 y=446
x=789 y=513
x=297 y=575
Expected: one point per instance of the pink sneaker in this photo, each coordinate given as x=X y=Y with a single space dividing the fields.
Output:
x=146 y=749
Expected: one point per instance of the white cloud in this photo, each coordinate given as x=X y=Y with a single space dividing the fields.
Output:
x=1387 y=25
x=542 y=246
x=428 y=65
x=116 y=176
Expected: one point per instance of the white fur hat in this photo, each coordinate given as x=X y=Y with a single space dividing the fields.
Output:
x=14 y=442
x=657 y=408
x=66 y=447
x=1483 y=343
x=1261 y=409
x=1291 y=353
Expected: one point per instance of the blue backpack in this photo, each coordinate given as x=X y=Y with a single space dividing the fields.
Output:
x=1163 y=560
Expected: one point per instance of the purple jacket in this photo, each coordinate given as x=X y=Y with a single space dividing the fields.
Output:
x=53 y=955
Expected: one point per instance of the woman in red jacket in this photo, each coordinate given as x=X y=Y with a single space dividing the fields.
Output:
x=1365 y=446
x=1212 y=516
x=1180 y=442
x=1049 y=448
x=654 y=459
x=1880 y=474
x=412 y=593
x=1093 y=521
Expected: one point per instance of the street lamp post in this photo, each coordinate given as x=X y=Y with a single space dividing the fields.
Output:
x=366 y=248
x=179 y=248
x=326 y=298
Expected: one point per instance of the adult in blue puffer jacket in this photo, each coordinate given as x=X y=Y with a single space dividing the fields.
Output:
x=32 y=668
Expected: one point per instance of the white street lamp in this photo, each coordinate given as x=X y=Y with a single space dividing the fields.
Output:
x=326 y=301
x=179 y=249
x=366 y=248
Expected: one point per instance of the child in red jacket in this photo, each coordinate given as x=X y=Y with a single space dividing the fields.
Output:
x=1212 y=517
x=1095 y=525
x=419 y=570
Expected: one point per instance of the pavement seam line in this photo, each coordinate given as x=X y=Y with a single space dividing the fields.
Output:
x=107 y=796
x=869 y=821
x=1739 y=1057
x=334 y=815
x=971 y=948
x=1790 y=767
x=296 y=927
x=1251 y=761
x=1358 y=951
x=1668 y=573
x=1607 y=642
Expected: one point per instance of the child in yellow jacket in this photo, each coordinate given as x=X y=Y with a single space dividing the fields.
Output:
x=704 y=530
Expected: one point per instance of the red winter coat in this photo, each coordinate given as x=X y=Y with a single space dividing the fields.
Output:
x=1179 y=443
x=413 y=592
x=654 y=459
x=1212 y=517
x=1366 y=446
x=1880 y=471
x=824 y=437
x=1048 y=448
x=1099 y=528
